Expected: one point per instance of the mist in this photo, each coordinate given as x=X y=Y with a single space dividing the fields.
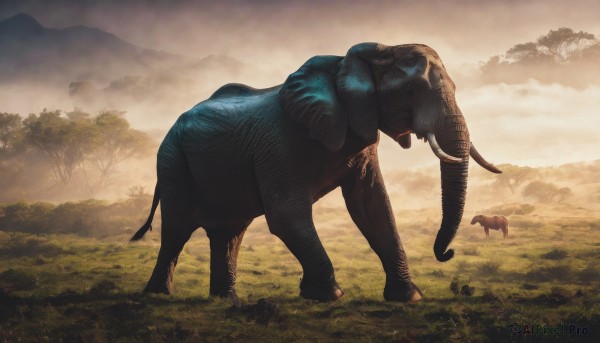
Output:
x=201 y=46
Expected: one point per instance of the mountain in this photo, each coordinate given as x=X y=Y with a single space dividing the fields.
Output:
x=29 y=51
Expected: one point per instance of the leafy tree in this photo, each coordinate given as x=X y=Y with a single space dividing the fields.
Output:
x=527 y=53
x=564 y=43
x=513 y=176
x=138 y=191
x=73 y=147
x=546 y=192
x=563 y=194
x=10 y=129
x=540 y=191
x=557 y=46
x=63 y=141
x=560 y=55
x=78 y=114
x=115 y=142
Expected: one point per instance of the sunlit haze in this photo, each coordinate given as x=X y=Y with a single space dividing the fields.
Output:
x=524 y=122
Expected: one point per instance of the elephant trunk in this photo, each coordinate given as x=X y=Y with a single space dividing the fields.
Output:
x=453 y=137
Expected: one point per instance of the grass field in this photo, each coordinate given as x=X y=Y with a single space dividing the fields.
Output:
x=73 y=289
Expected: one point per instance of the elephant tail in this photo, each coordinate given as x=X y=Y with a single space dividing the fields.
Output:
x=148 y=225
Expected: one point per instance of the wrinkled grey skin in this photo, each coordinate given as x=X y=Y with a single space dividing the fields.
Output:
x=246 y=152
x=493 y=222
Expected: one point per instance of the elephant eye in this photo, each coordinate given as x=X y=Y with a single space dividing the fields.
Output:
x=410 y=65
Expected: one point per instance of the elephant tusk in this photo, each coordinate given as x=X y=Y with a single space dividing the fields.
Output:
x=439 y=152
x=482 y=162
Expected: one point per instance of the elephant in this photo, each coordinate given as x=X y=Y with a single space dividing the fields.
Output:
x=494 y=223
x=247 y=152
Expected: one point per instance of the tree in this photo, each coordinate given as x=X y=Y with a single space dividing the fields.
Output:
x=539 y=191
x=115 y=142
x=63 y=141
x=546 y=192
x=138 y=191
x=561 y=55
x=78 y=114
x=527 y=53
x=10 y=129
x=513 y=176
x=557 y=46
x=564 y=43
x=563 y=193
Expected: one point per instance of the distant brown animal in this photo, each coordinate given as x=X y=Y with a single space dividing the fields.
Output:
x=494 y=223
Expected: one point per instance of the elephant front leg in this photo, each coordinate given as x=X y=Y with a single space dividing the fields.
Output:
x=370 y=209
x=287 y=203
x=291 y=221
x=225 y=244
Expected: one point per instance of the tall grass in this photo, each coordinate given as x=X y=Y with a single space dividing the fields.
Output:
x=489 y=268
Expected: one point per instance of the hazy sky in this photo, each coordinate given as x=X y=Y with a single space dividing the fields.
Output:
x=529 y=124
x=463 y=31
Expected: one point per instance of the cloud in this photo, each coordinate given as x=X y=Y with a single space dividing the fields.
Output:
x=288 y=32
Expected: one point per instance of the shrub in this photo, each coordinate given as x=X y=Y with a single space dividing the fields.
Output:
x=588 y=275
x=503 y=210
x=27 y=245
x=104 y=287
x=73 y=217
x=555 y=254
x=17 y=280
x=525 y=223
x=461 y=286
x=438 y=273
x=557 y=296
x=462 y=266
x=544 y=274
x=471 y=251
x=546 y=192
x=25 y=217
x=525 y=209
x=89 y=217
x=489 y=268
x=509 y=209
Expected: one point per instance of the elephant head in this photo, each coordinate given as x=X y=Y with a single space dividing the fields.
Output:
x=396 y=89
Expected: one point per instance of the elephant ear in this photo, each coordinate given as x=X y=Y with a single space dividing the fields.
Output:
x=357 y=90
x=309 y=97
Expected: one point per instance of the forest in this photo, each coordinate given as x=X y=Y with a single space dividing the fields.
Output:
x=55 y=154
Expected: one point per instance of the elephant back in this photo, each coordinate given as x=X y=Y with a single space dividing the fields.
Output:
x=238 y=90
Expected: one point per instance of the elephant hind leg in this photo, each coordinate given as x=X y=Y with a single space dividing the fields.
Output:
x=225 y=241
x=162 y=276
x=178 y=224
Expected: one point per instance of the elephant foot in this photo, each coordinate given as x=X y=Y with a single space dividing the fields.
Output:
x=320 y=293
x=401 y=294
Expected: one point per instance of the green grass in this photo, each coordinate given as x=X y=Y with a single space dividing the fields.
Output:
x=68 y=288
